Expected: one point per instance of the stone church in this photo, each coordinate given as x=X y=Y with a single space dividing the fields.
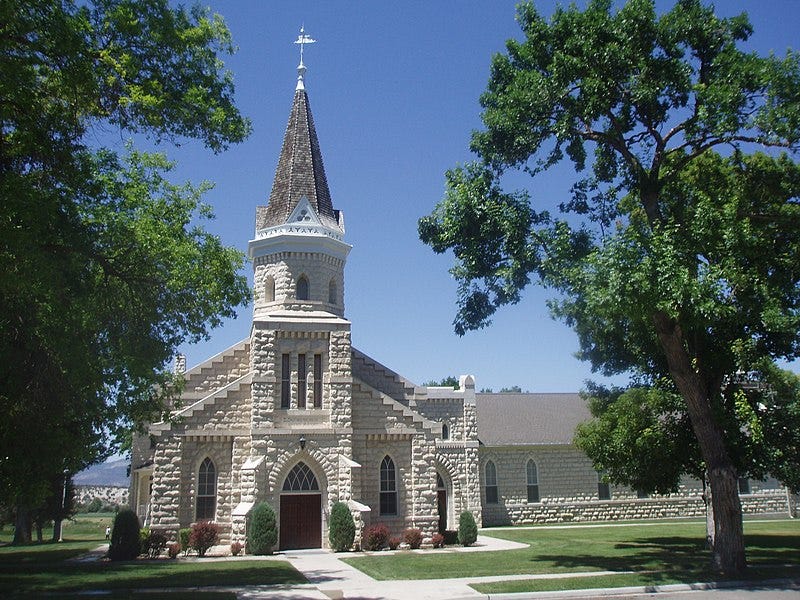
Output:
x=294 y=415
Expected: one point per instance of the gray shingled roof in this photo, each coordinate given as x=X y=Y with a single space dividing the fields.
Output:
x=300 y=171
x=526 y=419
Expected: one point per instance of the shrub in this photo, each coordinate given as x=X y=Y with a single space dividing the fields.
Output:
x=94 y=506
x=125 y=544
x=437 y=540
x=154 y=544
x=342 y=528
x=467 y=529
x=393 y=543
x=450 y=537
x=173 y=550
x=204 y=535
x=263 y=532
x=144 y=543
x=183 y=538
x=413 y=538
x=376 y=536
x=236 y=548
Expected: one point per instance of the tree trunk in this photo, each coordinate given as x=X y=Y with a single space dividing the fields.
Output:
x=22 y=526
x=38 y=527
x=727 y=555
x=57 y=530
x=709 y=513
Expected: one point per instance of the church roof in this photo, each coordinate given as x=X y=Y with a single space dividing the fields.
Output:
x=300 y=172
x=529 y=419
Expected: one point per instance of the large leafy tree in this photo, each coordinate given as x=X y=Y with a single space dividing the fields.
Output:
x=105 y=266
x=674 y=263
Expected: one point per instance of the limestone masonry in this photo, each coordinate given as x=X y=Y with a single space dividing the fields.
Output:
x=295 y=416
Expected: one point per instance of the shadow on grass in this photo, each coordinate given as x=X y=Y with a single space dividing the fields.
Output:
x=145 y=574
x=679 y=559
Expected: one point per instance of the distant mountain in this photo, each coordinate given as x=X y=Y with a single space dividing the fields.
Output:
x=111 y=472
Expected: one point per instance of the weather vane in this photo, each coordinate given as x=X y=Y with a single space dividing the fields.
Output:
x=303 y=39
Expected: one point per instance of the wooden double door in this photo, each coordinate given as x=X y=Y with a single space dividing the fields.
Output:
x=301 y=521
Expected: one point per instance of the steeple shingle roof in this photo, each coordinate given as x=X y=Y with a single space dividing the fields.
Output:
x=300 y=172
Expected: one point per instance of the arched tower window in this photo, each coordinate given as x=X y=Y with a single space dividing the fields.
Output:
x=490 y=483
x=206 y=491
x=269 y=289
x=332 y=292
x=533 y=481
x=300 y=479
x=302 y=288
x=445 y=431
x=388 y=487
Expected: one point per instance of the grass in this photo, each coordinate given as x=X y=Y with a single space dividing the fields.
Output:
x=658 y=553
x=43 y=568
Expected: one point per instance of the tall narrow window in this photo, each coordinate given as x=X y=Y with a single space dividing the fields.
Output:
x=318 y=381
x=206 y=491
x=744 y=485
x=445 y=431
x=286 y=383
x=302 y=288
x=533 y=481
x=332 y=292
x=388 y=487
x=301 y=381
x=603 y=488
x=269 y=289
x=490 y=481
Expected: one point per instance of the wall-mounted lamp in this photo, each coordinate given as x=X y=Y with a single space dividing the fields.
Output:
x=302 y=442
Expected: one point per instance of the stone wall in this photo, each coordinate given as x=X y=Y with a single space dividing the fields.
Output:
x=568 y=491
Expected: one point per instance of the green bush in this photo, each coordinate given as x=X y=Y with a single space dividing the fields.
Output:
x=125 y=542
x=263 y=531
x=183 y=539
x=342 y=528
x=467 y=529
x=94 y=506
x=154 y=543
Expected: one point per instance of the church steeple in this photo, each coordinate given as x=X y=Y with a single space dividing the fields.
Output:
x=300 y=173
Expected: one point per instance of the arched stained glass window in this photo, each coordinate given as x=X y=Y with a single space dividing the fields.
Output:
x=300 y=479
x=388 y=487
x=533 y=481
x=206 y=491
x=302 y=288
x=490 y=472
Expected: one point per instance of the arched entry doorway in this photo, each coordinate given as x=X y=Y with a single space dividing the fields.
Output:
x=441 y=502
x=301 y=510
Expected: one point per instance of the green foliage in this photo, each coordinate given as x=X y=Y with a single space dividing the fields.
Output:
x=125 y=541
x=672 y=263
x=342 y=528
x=152 y=543
x=449 y=381
x=94 y=506
x=467 y=529
x=204 y=535
x=107 y=267
x=183 y=539
x=262 y=534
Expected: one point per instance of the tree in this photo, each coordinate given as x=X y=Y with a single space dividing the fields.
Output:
x=672 y=263
x=342 y=528
x=125 y=541
x=106 y=267
x=449 y=381
x=467 y=529
x=263 y=533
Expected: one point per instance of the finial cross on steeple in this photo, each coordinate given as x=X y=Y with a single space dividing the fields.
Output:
x=302 y=39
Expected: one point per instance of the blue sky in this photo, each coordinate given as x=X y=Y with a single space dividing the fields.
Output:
x=394 y=90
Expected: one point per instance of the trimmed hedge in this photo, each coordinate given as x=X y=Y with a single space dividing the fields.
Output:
x=203 y=536
x=467 y=529
x=125 y=542
x=342 y=528
x=262 y=534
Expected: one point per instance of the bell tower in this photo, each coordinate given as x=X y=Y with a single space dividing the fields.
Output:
x=300 y=341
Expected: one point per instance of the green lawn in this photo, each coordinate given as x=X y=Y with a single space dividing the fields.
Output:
x=659 y=553
x=38 y=568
